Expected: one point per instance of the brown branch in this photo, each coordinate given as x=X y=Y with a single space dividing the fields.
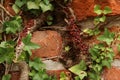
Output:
x=2 y=7
x=24 y=70
x=55 y=27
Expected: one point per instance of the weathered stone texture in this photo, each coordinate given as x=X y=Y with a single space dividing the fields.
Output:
x=50 y=43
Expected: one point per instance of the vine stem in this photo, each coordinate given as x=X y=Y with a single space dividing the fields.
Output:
x=2 y=7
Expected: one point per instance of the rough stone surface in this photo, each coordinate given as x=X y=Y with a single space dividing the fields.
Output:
x=58 y=72
x=50 y=43
x=111 y=74
x=116 y=63
x=84 y=8
x=53 y=65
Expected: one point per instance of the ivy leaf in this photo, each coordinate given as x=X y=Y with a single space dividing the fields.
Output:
x=67 y=48
x=6 y=77
x=36 y=77
x=63 y=76
x=97 y=68
x=106 y=63
x=107 y=37
x=13 y=25
x=36 y=64
x=20 y=3
x=118 y=38
x=94 y=76
x=96 y=20
x=97 y=9
x=110 y=55
x=49 y=20
x=107 y=10
x=32 y=5
x=46 y=2
x=28 y=44
x=118 y=47
x=94 y=52
x=102 y=19
x=82 y=74
x=79 y=69
x=16 y=8
x=45 y=7
x=65 y=1
x=6 y=52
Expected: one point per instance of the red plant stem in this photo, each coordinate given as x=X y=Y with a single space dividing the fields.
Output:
x=19 y=48
x=74 y=32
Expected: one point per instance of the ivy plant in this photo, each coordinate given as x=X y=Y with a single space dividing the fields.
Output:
x=91 y=32
x=101 y=55
x=79 y=69
x=38 y=71
x=99 y=12
x=6 y=77
x=107 y=37
x=13 y=26
x=101 y=17
x=40 y=5
x=63 y=76
x=28 y=45
x=7 y=51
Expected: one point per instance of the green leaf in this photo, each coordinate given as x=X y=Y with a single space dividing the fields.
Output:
x=97 y=68
x=16 y=9
x=36 y=77
x=94 y=76
x=77 y=78
x=106 y=63
x=49 y=20
x=94 y=52
x=28 y=45
x=46 y=2
x=118 y=38
x=65 y=1
x=119 y=47
x=45 y=7
x=82 y=74
x=6 y=77
x=6 y=51
x=37 y=1
x=107 y=37
x=32 y=5
x=79 y=69
x=13 y=25
x=110 y=55
x=36 y=64
x=63 y=76
x=107 y=10
x=96 y=20
x=20 y=3
x=102 y=19
x=7 y=54
x=67 y=48
x=97 y=9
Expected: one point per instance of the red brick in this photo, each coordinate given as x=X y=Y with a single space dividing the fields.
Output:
x=85 y=8
x=49 y=41
x=111 y=74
